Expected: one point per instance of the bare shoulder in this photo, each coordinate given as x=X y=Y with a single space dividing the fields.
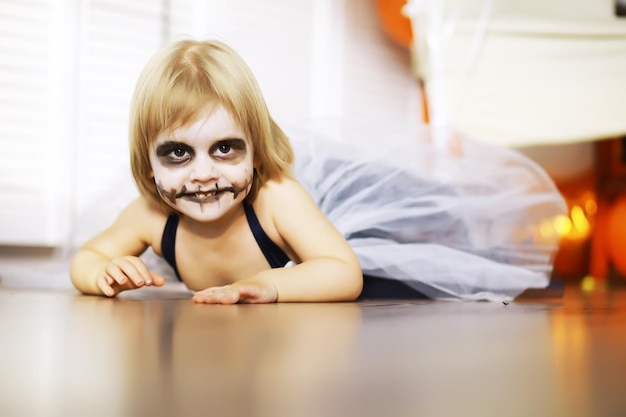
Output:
x=301 y=224
x=283 y=193
x=291 y=207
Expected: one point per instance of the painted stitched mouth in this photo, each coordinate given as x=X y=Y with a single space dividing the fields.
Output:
x=202 y=196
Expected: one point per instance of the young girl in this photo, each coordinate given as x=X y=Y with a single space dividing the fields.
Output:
x=217 y=197
x=219 y=202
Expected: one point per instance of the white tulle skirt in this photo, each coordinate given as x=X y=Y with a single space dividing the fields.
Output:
x=470 y=221
x=474 y=222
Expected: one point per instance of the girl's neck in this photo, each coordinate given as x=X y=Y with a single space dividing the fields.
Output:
x=216 y=228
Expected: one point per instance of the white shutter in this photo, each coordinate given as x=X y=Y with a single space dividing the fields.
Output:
x=67 y=71
x=27 y=127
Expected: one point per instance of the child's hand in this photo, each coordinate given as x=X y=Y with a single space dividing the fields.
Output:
x=126 y=273
x=254 y=292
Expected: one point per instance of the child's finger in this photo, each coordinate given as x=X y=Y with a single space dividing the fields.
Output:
x=142 y=271
x=116 y=273
x=257 y=294
x=204 y=297
x=157 y=280
x=217 y=295
x=249 y=293
x=207 y=297
x=229 y=295
x=129 y=270
x=102 y=285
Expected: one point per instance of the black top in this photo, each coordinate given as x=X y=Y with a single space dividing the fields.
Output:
x=275 y=256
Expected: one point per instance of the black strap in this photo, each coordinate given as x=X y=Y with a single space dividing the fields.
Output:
x=168 y=242
x=275 y=256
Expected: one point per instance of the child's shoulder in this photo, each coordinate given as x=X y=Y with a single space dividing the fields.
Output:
x=283 y=194
x=142 y=218
x=282 y=184
x=282 y=188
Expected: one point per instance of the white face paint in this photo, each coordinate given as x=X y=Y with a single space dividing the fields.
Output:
x=204 y=170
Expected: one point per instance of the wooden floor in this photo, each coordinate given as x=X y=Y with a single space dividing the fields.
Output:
x=155 y=353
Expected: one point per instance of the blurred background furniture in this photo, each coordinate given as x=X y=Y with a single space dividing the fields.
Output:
x=545 y=77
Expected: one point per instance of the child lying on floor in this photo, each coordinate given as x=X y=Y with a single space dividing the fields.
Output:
x=219 y=202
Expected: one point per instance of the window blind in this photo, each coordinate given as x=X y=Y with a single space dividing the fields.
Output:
x=67 y=72
x=26 y=119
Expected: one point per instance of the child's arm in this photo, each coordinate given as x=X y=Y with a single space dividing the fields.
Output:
x=329 y=269
x=109 y=263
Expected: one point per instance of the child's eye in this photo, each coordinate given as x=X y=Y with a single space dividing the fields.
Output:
x=229 y=149
x=174 y=153
x=179 y=152
x=224 y=148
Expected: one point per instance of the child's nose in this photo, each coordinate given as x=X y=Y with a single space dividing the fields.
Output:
x=204 y=170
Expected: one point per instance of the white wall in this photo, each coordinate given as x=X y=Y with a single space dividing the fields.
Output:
x=69 y=67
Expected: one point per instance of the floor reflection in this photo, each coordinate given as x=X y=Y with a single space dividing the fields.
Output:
x=258 y=360
x=156 y=353
x=589 y=337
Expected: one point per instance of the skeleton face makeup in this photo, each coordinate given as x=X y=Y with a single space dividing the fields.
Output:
x=205 y=169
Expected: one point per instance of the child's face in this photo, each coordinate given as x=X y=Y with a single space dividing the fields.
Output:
x=204 y=169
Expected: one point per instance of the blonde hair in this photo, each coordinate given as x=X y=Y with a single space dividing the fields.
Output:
x=177 y=83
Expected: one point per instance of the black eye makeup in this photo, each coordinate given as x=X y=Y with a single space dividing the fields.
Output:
x=174 y=153
x=229 y=149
